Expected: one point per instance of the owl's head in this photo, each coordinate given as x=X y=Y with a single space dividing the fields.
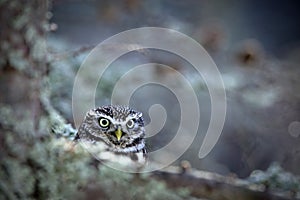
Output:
x=120 y=127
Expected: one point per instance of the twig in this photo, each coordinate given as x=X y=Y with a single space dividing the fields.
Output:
x=73 y=53
x=212 y=186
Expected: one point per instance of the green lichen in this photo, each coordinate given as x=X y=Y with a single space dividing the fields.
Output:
x=53 y=168
x=11 y=121
x=21 y=20
x=120 y=185
x=276 y=179
x=49 y=167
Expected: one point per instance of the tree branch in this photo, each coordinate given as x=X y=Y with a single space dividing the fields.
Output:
x=212 y=186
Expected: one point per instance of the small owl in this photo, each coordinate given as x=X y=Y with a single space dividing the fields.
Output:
x=114 y=134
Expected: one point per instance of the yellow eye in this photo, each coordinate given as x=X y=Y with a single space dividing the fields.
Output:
x=130 y=123
x=104 y=123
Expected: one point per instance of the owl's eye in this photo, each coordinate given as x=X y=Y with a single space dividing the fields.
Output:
x=130 y=123
x=104 y=123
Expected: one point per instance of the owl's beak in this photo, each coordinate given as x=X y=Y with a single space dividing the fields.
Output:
x=118 y=134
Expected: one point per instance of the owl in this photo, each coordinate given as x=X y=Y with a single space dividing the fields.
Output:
x=115 y=135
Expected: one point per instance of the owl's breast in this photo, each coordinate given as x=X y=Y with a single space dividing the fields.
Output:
x=119 y=160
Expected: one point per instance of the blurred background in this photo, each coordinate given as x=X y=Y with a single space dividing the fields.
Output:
x=255 y=44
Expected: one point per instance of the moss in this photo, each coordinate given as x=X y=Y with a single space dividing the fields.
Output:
x=35 y=164
x=276 y=179
x=43 y=169
x=120 y=185
x=48 y=167
x=53 y=168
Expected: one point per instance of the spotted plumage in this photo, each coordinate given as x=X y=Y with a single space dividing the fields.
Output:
x=114 y=134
